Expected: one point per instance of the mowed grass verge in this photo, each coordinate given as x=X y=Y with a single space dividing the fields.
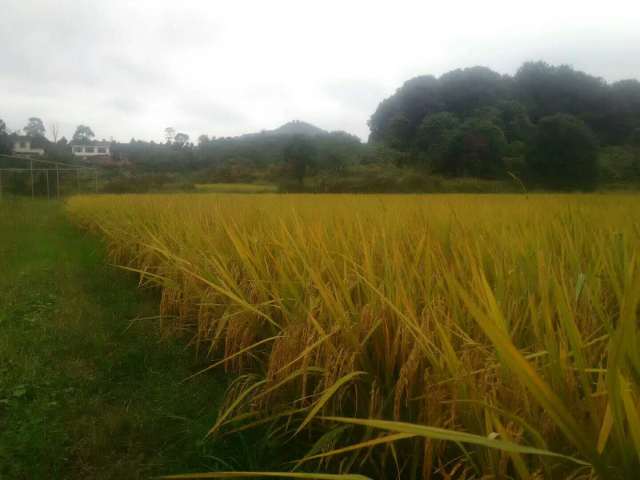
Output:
x=88 y=389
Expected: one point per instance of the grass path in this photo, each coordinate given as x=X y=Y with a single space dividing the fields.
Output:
x=84 y=391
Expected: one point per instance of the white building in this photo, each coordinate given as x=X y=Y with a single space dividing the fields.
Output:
x=27 y=146
x=92 y=149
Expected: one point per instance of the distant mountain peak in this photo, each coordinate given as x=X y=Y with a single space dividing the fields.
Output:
x=298 y=127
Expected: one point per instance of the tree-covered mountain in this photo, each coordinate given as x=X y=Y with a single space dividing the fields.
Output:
x=294 y=127
x=246 y=157
x=535 y=91
x=472 y=121
x=298 y=127
x=552 y=127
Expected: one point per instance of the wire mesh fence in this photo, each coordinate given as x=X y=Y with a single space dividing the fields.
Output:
x=37 y=177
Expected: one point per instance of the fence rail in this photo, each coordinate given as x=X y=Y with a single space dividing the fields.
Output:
x=57 y=169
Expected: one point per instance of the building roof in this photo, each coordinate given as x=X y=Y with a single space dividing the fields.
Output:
x=92 y=143
x=36 y=142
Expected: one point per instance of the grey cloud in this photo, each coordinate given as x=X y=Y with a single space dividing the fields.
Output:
x=125 y=104
x=211 y=112
x=356 y=94
x=132 y=68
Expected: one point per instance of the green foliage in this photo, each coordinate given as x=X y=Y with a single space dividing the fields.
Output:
x=146 y=182
x=155 y=157
x=181 y=139
x=203 y=140
x=619 y=164
x=299 y=156
x=461 y=92
x=547 y=89
x=564 y=153
x=35 y=128
x=465 y=90
x=5 y=141
x=515 y=121
x=398 y=132
x=417 y=120
x=634 y=139
x=417 y=98
x=476 y=150
x=516 y=148
x=435 y=134
x=60 y=151
x=467 y=122
x=393 y=178
x=83 y=134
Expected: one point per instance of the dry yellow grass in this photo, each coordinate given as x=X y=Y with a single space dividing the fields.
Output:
x=495 y=321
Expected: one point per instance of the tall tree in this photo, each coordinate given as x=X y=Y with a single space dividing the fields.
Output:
x=635 y=146
x=181 y=139
x=476 y=150
x=546 y=89
x=35 y=128
x=515 y=121
x=83 y=134
x=55 y=131
x=5 y=143
x=399 y=131
x=466 y=90
x=203 y=140
x=169 y=134
x=564 y=153
x=416 y=98
x=435 y=134
x=299 y=156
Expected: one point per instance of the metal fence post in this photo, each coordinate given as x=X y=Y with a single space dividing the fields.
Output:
x=32 y=186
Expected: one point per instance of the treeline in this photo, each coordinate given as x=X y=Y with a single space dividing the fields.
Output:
x=5 y=142
x=547 y=124
x=549 y=127
x=267 y=155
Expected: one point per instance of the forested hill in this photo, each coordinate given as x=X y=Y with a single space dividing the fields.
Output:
x=298 y=127
x=469 y=120
x=294 y=127
x=552 y=127
x=535 y=91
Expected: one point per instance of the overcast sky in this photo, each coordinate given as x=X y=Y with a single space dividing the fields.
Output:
x=132 y=68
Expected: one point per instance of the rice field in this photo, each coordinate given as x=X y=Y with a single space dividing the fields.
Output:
x=408 y=336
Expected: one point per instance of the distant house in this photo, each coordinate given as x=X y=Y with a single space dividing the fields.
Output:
x=96 y=153
x=23 y=145
x=91 y=150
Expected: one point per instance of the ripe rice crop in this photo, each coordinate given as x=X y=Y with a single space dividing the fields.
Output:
x=447 y=336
